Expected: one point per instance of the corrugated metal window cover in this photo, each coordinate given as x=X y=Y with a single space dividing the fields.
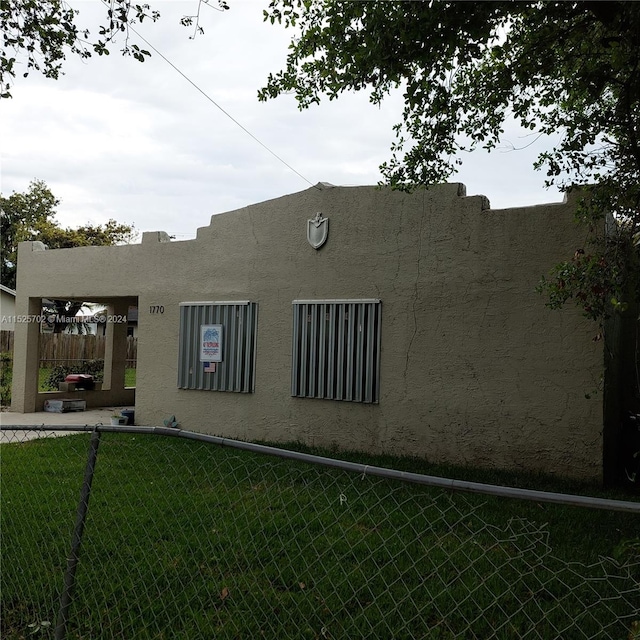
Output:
x=336 y=350
x=236 y=372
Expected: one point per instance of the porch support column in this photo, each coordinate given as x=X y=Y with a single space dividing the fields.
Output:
x=26 y=355
x=115 y=350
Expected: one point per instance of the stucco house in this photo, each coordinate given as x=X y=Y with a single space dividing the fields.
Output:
x=7 y=308
x=357 y=316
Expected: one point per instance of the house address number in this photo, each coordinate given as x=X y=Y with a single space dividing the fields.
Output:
x=156 y=308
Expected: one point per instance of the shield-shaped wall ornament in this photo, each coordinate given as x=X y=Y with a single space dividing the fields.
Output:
x=317 y=230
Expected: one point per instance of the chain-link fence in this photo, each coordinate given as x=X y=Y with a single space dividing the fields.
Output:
x=184 y=538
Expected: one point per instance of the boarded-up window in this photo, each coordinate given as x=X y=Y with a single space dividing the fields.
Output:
x=234 y=368
x=336 y=350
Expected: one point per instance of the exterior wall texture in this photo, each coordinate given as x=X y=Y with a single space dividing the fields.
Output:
x=474 y=368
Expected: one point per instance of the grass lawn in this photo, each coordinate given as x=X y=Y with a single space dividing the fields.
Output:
x=130 y=377
x=187 y=540
x=43 y=374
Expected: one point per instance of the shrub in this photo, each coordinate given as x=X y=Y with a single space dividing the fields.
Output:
x=61 y=371
x=6 y=376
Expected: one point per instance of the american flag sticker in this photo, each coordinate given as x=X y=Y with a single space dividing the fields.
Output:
x=209 y=367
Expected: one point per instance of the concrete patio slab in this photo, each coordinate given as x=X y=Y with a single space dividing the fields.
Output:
x=91 y=417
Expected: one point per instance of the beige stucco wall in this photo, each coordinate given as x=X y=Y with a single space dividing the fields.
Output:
x=474 y=368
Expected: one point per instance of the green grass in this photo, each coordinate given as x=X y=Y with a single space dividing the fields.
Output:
x=130 y=377
x=43 y=374
x=185 y=540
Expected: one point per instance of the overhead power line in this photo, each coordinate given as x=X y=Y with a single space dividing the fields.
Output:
x=215 y=104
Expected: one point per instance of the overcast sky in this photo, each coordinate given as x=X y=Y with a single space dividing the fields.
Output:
x=114 y=138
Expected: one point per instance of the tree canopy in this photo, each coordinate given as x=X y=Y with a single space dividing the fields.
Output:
x=37 y=35
x=31 y=216
x=569 y=70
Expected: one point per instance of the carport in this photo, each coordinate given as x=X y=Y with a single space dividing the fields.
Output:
x=111 y=392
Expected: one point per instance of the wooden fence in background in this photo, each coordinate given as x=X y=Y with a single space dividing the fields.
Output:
x=64 y=348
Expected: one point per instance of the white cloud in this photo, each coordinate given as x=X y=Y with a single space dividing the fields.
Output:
x=114 y=138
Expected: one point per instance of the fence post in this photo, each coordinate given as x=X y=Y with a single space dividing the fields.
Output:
x=76 y=540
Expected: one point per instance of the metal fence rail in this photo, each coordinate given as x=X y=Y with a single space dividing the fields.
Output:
x=194 y=536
